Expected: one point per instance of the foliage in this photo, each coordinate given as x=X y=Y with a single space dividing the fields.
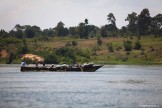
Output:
x=144 y=20
x=110 y=47
x=11 y=58
x=128 y=45
x=61 y=30
x=111 y=18
x=156 y=25
x=99 y=41
x=72 y=43
x=51 y=58
x=137 y=45
x=103 y=31
x=9 y=41
x=132 y=26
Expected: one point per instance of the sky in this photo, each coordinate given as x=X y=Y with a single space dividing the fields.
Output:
x=47 y=13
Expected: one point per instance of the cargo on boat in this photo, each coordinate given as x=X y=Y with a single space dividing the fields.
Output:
x=62 y=68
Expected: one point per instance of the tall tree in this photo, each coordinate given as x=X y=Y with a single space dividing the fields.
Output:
x=19 y=31
x=156 y=25
x=132 y=26
x=60 y=30
x=81 y=30
x=111 y=18
x=3 y=33
x=29 y=33
x=84 y=29
x=144 y=20
x=111 y=28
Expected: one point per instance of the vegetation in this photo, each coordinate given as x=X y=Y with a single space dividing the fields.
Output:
x=140 y=42
x=128 y=45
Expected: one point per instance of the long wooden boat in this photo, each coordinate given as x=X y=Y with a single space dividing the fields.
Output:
x=62 y=68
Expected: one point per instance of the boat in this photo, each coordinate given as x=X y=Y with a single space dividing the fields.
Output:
x=62 y=68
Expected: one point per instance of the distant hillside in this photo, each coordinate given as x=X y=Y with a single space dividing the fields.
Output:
x=110 y=50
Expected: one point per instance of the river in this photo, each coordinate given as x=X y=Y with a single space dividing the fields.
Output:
x=112 y=86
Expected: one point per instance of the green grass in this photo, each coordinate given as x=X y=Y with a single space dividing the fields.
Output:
x=150 y=53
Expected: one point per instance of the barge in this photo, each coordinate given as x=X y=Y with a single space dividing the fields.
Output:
x=62 y=68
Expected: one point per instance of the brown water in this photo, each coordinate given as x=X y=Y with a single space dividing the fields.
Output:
x=112 y=86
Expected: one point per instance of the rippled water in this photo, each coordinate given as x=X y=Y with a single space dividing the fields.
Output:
x=112 y=86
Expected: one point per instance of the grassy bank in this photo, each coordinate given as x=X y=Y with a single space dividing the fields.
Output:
x=88 y=50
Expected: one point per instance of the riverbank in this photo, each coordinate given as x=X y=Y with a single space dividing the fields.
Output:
x=68 y=50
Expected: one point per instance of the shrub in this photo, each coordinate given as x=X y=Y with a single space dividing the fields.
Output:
x=110 y=47
x=128 y=45
x=74 y=43
x=51 y=59
x=137 y=45
x=99 y=41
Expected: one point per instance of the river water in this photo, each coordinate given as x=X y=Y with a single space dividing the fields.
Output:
x=111 y=86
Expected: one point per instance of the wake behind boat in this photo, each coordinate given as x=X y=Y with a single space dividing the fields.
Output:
x=62 y=68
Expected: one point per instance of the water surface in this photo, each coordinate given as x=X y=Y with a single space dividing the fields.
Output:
x=112 y=86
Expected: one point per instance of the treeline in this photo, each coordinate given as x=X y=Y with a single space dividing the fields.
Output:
x=138 y=25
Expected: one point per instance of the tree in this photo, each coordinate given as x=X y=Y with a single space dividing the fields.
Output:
x=3 y=33
x=111 y=19
x=123 y=30
x=103 y=31
x=48 y=32
x=19 y=27
x=19 y=34
x=132 y=26
x=83 y=30
x=29 y=32
x=86 y=21
x=156 y=25
x=111 y=28
x=144 y=20
x=73 y=31
x=19 y=31
x=37 y=30
x=60 y=30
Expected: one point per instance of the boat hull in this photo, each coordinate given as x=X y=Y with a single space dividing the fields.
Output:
x=61 y=69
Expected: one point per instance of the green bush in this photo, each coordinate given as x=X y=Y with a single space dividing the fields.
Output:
x=99 y=41
x=110 y=47
x=74 y=43
x=137 y=45
x=128 y=45
x=51 y=59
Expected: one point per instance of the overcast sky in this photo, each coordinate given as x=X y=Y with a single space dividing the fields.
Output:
x=47 y=13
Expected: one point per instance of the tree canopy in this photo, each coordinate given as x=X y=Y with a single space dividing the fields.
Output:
x=138 y=25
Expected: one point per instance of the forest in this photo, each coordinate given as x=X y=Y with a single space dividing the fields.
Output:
x=139 y=42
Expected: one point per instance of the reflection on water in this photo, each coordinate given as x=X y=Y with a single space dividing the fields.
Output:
x=110 y=87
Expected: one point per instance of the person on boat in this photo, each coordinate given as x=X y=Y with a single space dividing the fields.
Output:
x=36 y=64
x=23 y=64
x=44 y=65
x=52 y=66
